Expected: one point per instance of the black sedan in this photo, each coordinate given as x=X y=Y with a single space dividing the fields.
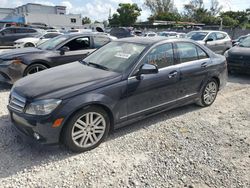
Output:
x=238 y=57
x=122 y=82
x=17 y=63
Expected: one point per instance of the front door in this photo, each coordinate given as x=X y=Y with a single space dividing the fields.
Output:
x=154 y=91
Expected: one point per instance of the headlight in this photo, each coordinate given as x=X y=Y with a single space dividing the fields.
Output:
x=226 y=54
x=42 y=107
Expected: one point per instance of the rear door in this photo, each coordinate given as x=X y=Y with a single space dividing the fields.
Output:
x=193 y=64
x=223 y=42
x=154 y=91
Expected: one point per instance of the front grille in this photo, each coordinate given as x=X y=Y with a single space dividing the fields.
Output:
x=17 y=102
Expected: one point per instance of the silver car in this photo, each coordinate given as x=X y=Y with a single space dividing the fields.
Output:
x=217 y=41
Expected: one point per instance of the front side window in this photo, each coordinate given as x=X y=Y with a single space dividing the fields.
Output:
x=220 y=36
x=9 y=31
x=81 y=43
x=187 y=52
x=161 y=56
x=116 y=56
x=212 y=37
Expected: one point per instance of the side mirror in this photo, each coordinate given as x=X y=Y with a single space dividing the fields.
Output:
x=147 y=69
x=209 y=40
x=64 y=49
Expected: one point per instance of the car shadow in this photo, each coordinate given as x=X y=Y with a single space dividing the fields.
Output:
x=18 y=155
x=239 y=78
x=4 y=87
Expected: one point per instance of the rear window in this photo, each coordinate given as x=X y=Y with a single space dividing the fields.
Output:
x=100 y=41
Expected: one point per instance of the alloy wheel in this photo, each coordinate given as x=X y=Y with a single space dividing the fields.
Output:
x=88 y=129
x=210 y=93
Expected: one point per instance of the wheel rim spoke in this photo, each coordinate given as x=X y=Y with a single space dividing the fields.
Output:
x=88 y=129
x=210 y=93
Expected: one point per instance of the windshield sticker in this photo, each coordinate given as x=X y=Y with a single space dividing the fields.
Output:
x=122 y=55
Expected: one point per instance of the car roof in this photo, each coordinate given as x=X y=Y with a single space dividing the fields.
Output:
x=152 y=40
x=209 y=31
x=85 y=34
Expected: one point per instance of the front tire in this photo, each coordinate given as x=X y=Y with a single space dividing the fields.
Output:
x=34 y=69
x=209 y=93
x=86 y=129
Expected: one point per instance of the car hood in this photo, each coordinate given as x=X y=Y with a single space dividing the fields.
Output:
x=9 y=54
x=64 y=81
x=239 y=51
x=28 y=39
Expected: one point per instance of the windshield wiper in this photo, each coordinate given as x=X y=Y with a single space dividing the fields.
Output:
x=95 y=65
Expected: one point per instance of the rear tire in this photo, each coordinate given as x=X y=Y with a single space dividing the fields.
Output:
x=86 y=129
x=34 y=68
x=209 y=93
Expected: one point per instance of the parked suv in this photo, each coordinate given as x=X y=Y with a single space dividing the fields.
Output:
x=217 y=41
x=11 y=34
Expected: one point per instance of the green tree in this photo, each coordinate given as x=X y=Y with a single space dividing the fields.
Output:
x=230 y=22
x=86 y=20
x=126 y=15
x=231 y=16
x=160 y=6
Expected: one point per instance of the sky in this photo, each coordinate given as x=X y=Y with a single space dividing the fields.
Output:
x=99 y=9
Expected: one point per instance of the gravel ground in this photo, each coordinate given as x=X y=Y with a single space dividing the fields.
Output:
x=185 y=147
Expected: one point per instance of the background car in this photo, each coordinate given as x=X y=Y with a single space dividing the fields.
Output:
x=34 y=41
x=120 y=83
x=168 y=34
x=217 y=41
x=16 y=63
x=11 y=34
x=240 y=39
x=150 y=34
x=238 y=57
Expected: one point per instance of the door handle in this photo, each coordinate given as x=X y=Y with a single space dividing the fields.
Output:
x=204 y=65
x=172 y=74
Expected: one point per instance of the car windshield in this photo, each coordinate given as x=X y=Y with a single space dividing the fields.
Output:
x=245 y=43
x=116 y=56
x=197 y=35
x=53 y=43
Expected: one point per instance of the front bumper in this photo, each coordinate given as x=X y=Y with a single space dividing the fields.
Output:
x=11 y=73
x=31 y=126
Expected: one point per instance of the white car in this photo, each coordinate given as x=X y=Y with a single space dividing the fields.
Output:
x=34 y=41
x=150 y=34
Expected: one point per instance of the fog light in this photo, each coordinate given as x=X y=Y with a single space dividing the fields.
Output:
x=36 y=136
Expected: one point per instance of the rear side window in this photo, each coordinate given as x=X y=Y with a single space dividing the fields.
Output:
x=25 y=30
x=9 y=31
x=221 y=36
x=161 y=56
x=187 y=52
x=201 y=53
x=99 y=41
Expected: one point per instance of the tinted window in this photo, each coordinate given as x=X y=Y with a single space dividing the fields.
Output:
x=80 y=43
x=25 y=30
x=212 y=36
x=161 y=56
x=201 y=53
x=221 y=36
x=9 y=31
x=100 y=41
x=187 y=52
x=197 y=35
x=50 y=35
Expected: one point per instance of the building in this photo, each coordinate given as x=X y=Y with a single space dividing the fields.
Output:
x=51 y=16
